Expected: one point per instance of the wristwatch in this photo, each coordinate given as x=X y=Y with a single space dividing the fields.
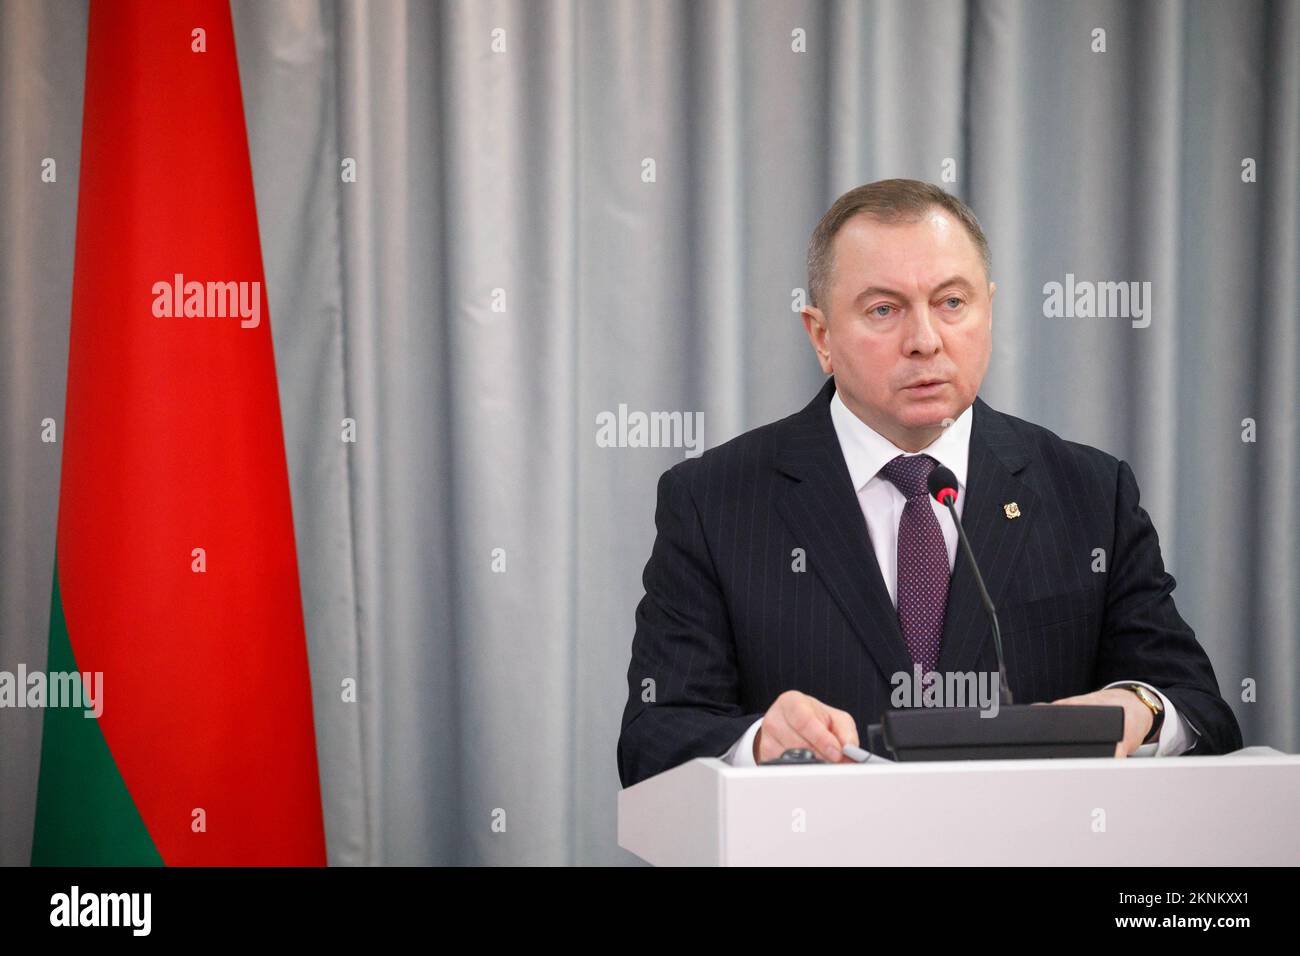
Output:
x=1153 y=702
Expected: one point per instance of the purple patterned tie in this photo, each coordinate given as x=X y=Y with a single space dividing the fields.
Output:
x=923 y=570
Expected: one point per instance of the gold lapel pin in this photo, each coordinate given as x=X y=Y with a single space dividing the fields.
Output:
x=1011 y=510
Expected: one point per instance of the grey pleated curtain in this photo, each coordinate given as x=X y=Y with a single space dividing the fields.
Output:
x=502 y=272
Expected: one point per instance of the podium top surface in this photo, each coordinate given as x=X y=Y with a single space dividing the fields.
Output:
x=1247 y=756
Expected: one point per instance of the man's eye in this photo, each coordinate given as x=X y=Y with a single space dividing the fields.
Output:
x=876 y=310
x=953 y=301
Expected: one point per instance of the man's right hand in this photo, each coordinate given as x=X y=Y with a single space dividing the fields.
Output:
x=797 y=720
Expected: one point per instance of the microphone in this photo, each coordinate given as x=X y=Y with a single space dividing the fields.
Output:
x=1014 y=732
x=943 y=487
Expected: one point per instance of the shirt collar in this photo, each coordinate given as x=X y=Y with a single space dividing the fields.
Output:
x=866 y=451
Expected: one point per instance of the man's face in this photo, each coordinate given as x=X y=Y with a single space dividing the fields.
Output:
x=906 y=327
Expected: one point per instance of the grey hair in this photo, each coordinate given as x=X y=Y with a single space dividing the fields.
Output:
x=888 y=201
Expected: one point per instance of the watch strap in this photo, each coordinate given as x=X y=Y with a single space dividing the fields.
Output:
x=1153 y=704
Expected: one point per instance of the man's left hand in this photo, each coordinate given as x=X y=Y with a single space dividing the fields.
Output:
x=1137 y=716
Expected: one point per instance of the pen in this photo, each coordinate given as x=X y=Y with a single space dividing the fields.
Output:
x=856 y=753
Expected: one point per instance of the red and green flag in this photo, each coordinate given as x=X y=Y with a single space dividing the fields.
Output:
x=176 y=574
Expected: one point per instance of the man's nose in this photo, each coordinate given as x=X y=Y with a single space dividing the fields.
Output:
x=921 y=337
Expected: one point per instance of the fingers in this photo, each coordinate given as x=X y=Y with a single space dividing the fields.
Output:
x=797 y=720
x=844 y=727
x=811 y=720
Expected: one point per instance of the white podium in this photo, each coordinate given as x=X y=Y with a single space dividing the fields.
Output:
x=1242 y=809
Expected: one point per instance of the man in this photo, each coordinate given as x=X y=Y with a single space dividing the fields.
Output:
x=801 y=570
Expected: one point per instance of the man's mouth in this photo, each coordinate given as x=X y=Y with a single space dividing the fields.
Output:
x=924 y=384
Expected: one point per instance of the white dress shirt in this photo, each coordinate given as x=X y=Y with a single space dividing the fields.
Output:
x=866 y=451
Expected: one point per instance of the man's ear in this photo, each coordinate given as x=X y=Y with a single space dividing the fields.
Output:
x=818 y=329
x=993 y=287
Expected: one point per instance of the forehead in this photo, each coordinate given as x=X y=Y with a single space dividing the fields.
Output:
x=904 y=255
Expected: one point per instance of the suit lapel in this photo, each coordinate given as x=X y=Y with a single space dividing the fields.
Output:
x=997 y=455
x=821 y=509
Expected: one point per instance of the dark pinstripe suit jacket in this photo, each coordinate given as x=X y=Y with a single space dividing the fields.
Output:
x=727 y=624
